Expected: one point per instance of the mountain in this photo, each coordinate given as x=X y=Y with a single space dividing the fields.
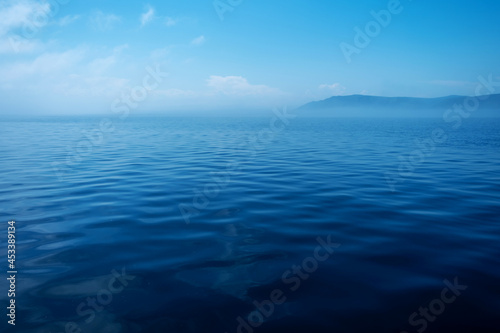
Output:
x=376 y=106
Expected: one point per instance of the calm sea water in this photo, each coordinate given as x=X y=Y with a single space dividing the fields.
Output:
x=184 y=225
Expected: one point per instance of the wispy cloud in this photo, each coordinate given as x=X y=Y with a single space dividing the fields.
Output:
x=147 y=16
x=237 y=85
x=169 y=21
x=159 y=54
x=38 y=68
x=68 y=19
x=100 y=66
x=198 y=40
x=103 y=22
x=17 y=44
x=75 y=72
x=14 y=14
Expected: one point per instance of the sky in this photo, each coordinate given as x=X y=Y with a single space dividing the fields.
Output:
x=87 y=57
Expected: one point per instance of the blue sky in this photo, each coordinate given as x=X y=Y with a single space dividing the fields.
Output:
x=77 y=57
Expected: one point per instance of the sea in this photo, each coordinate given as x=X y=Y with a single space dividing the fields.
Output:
x=263 y=224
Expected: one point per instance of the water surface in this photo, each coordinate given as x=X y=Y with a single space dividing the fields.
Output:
x=252 y=213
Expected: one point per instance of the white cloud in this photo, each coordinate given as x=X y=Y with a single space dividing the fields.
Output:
x=33 y=84
x=324 y=91
x=198 y=40
x=43 y=65
x=74 y=72
x=19 y=23
x=148 y=16
x=237 y=85
x=103 y=22
x=16 y=14
x=334 y=89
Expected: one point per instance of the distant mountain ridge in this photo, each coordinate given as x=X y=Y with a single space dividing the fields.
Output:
x=377 y=106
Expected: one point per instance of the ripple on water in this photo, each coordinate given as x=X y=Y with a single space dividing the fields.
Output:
x=119 y=209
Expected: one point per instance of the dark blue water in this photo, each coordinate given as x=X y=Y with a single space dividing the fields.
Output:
x=202 y=219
